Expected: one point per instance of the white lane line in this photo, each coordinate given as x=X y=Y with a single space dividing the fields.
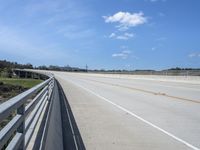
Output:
x=140 y=118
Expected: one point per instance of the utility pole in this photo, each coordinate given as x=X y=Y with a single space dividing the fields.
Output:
x=86 y=68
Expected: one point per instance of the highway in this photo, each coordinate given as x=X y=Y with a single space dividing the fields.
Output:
x=115 y=113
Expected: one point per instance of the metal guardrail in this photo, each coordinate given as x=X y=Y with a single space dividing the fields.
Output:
x=18 y=132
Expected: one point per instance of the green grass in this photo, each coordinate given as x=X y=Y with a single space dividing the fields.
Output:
x=12 y=87
x=26 y=83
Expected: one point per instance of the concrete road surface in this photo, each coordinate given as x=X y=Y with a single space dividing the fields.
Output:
x=115 y=113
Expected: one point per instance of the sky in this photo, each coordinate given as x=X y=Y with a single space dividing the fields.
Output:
x=104 y=34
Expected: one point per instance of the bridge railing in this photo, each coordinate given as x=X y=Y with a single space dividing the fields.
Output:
x=17 y=133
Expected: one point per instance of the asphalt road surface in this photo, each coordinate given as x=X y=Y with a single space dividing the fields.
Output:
x=121 y=113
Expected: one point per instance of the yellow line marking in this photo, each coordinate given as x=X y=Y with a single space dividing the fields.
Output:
x=147 y=91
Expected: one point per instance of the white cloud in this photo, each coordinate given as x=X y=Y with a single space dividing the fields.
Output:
x=125 y=36
x=194 y=55
x=123 y=54
x=126 y=19
x=112 y=35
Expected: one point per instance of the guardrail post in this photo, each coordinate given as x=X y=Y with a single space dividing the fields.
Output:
x=50 y=86
x=48 y=89
x=21 y=128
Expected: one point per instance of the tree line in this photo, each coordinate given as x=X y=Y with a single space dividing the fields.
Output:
x=7 y=66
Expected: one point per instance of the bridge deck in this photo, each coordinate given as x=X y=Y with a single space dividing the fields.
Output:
x=113 y=113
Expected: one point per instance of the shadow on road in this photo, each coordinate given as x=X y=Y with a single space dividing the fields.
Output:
x=62 y=132
x=71 y=136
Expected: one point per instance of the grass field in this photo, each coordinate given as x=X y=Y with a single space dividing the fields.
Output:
x=10 y=87
x=26 y=83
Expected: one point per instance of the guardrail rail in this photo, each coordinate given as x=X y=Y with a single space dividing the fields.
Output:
x=17 y=133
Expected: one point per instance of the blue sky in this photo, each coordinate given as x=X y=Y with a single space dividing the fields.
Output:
x=109 y=34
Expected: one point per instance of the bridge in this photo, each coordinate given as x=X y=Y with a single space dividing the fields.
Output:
x=104 y=111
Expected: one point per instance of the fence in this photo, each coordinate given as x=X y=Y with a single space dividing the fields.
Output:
x=17 y=133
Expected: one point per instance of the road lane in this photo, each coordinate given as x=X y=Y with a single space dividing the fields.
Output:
x=105 y=127
x=180 y=90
